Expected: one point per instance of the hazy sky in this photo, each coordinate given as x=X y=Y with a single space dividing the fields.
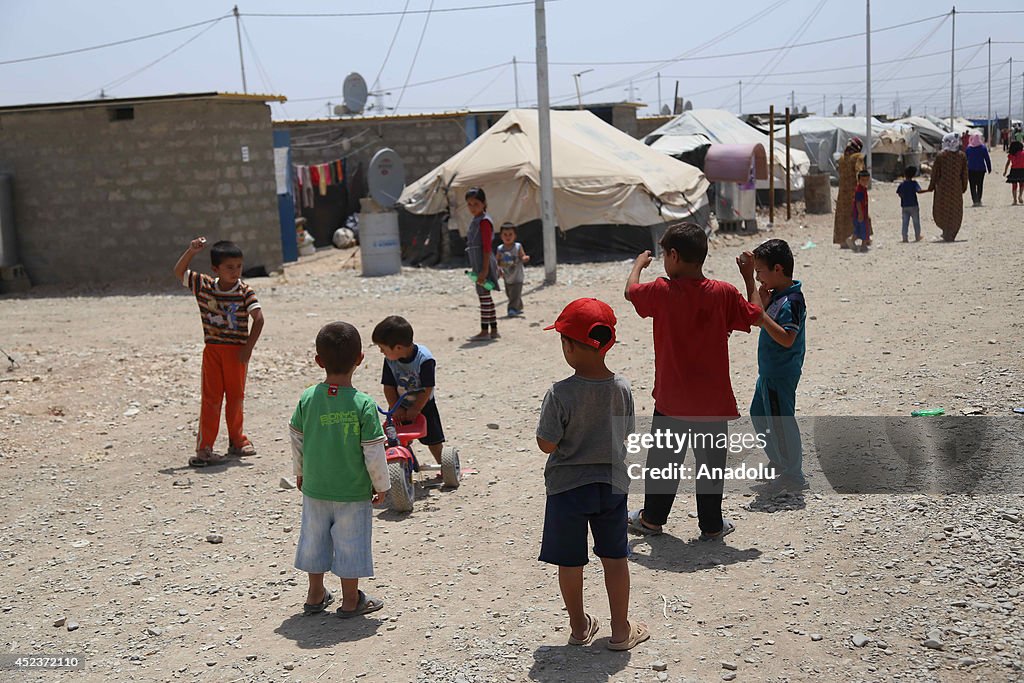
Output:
x=306 y=59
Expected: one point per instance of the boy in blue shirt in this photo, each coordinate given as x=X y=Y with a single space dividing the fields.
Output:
x=908 y=191
x=409 y=367
x=780 y=355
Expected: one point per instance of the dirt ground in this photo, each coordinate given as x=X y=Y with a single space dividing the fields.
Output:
x=105 y=526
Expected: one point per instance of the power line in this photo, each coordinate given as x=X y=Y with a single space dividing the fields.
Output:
x=113 y=44
x=268 y=84
x=127 y=77
x=387 y=56
x=415 y=56
x=468 y=8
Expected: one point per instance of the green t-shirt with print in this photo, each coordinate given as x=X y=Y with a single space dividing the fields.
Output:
x=335 y=422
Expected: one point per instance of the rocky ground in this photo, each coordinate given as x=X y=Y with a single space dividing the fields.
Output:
x=114 y=549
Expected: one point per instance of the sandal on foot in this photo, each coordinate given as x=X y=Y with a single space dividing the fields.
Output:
x=205 y=458
x=635 y=522
x=638 y=633
x=245 y=450
x=366 y=604
x=320 y=606
x=727 y=528
x=592 y=626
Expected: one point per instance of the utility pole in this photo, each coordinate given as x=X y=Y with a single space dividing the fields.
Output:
x=576 y=78
x=659 y=92
x=823 y=111
x=241 y=59
x=988 y=126
x=329 y=110
x=867 y=114
x=547 y=189
x=952 y=72
x=1009 y=102
x=792 y=101
x=771 y=165
x=741 y=98
x=515 y=75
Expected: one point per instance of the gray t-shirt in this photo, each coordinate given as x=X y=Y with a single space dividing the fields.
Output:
x=589 y=420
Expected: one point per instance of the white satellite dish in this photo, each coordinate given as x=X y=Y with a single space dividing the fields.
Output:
x=386 y=177
x=354 y=92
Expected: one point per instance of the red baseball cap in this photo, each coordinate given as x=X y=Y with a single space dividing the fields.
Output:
x=580 y=317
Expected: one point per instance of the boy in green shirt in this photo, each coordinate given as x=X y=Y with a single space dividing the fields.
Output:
x=339 y=464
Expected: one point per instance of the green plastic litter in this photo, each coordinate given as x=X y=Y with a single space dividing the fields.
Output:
x=929 y=412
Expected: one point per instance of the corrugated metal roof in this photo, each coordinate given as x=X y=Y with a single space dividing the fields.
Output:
x=122 y=101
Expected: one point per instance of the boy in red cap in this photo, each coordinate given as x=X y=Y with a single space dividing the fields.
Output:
x=584 y=421
x=693 y=397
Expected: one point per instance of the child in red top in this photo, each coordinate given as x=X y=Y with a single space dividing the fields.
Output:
x=693 y=317
x=1015 y=166
x=861 y=219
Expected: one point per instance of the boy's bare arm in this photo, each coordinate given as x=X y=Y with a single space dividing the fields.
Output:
x=777 y=332
x=390 y=395
x=424 y=395
x=546 y=446
x=254 y=334
x=194 y=247
x=641 y=262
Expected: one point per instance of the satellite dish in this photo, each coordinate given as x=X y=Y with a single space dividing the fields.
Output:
x=688 y=106
x=386 y=177
x=355 y=92
x=665 y=110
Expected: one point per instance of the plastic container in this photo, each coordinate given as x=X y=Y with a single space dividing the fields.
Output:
x=488 y=285
x=379 y=245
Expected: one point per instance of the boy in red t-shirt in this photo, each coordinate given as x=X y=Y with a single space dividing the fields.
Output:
x=693 y=396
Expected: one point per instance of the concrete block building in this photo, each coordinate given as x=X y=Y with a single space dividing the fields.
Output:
x=112 y=190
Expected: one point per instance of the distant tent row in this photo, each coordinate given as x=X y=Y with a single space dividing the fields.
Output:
x=893 y=146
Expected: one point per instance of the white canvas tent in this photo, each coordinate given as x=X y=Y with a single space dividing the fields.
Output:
x=698 y=127
x=825 y=138
x=602 y=176
x=960 y=124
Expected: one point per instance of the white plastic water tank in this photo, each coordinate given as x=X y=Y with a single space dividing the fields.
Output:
x=379 y=245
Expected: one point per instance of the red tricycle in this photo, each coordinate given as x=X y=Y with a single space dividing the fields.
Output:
x=402 y=463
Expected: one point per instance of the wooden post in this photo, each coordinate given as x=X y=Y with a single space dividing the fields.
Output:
x=771 y=165
x=788 y=197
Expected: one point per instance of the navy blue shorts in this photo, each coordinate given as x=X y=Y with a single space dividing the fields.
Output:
x=567 y=516
x=435 y=434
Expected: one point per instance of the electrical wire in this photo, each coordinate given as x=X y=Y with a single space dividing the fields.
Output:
x=113 y=44
x=127 y=77
x=268 y=84
x=468 y=8
x=484 y=89
x=387 y=56
x=415 y=56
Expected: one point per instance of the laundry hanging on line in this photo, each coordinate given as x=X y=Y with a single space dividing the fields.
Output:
x=315 y=178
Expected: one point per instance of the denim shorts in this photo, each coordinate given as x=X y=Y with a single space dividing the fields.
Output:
x=567 y=516
x=335 y=537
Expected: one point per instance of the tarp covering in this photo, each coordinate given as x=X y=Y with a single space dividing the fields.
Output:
x=960 y=124
x=601 y=176
x=929 y=134
x=825 y=138
x=698 y=127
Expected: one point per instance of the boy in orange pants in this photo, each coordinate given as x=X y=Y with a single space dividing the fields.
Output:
x=225 y=304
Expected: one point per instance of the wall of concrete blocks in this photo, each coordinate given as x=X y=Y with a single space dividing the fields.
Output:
x=102 y=200
x=423 y=143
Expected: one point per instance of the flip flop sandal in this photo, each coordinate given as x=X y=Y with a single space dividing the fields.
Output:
x=727 y=528
x=245 y=450
x=592 y=627
x=321 y=606
x=634 y=523
x=206 y=460
x=366 y=604
x=638 y=633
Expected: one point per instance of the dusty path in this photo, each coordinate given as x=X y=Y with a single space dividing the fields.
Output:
x=103 y=524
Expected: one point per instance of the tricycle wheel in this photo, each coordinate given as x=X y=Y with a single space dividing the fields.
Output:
x=402 y=493
x=451 y=469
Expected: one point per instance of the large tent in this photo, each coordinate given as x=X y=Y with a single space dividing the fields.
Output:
x=893 y=146
x=602 y=176
x=698 y=128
